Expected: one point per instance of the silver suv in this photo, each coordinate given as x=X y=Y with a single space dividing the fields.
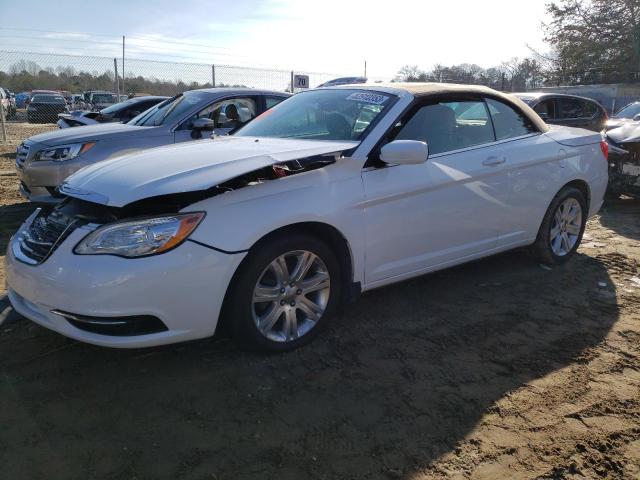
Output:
x=44 y=161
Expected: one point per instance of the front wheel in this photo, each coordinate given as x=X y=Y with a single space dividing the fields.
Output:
x=562 y=227
x=283 y=293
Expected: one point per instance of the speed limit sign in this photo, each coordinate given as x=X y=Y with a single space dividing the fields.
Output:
x=301 y=81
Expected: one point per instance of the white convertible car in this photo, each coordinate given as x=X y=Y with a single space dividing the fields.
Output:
x=332 y=192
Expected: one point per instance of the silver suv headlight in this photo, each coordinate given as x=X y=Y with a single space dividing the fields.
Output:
x=62 y=153
x=138 y=238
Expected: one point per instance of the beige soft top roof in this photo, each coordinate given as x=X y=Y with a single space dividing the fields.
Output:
x=427 y=89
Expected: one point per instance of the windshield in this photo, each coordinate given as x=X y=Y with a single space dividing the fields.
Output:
x=169 y=111
x=103 y=98
x=340 y=114
x=629 y=111
x=47 y=99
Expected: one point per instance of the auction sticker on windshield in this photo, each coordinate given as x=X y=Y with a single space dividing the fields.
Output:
x=374 y=98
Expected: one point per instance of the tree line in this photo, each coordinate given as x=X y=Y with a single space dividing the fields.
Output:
x=26 y=75
x=592 y=41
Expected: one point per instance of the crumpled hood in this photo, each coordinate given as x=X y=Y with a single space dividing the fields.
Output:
x=187 y=167
x=625 y=134
x=89 y=133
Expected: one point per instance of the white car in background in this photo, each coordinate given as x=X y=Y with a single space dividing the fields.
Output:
x=332 y=192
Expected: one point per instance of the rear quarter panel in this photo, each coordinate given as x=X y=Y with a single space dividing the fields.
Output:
x=539 y=168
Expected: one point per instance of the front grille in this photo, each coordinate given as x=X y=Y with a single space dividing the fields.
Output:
x=47 y=230
x=21 y=155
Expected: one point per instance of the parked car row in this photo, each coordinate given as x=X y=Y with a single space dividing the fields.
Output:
x=119 y=112
x=312 y=200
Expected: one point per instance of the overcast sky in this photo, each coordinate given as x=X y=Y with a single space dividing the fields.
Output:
x=320 y=35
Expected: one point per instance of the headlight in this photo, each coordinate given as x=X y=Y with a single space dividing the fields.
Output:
x=62 y=153
x=137 y=238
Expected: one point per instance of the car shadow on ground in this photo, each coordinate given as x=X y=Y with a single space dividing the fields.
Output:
x=397 y=380
x=622 y=216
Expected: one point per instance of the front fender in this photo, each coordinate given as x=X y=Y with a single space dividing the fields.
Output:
x=237 y=220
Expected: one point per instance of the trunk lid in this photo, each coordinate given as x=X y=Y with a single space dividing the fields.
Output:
x=573 y=137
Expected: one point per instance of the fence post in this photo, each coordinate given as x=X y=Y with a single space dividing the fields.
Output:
x=116 y=78
x=213 y=76
x=292 y=89
x=4 y=129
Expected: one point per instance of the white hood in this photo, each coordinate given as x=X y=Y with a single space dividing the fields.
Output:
x=187 y=167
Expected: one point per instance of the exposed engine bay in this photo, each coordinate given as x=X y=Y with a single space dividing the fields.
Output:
x=90 y=212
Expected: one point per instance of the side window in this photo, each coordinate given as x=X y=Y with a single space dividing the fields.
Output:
x=449 y=125
x=229 y=113
x=508 y=122
x=546 y=109
x=272 y=101
x=571 y=108
x=590 y=109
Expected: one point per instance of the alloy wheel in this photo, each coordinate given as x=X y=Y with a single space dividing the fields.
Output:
x=566 y=226
x=291 y=296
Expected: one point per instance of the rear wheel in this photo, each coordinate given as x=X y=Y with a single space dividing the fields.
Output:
x=562 y=228
x=283 y=293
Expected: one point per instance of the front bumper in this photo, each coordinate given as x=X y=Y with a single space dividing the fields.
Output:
x=36 y=176
x=184 y=288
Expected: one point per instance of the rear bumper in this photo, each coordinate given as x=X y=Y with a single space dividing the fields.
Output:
x=598 y=189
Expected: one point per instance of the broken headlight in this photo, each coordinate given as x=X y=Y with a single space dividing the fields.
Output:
x=138 y=238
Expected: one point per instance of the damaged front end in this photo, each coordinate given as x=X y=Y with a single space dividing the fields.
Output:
x=624 y=161
x=49 y=226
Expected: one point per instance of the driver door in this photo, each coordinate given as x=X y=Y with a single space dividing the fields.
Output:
x=420 y=217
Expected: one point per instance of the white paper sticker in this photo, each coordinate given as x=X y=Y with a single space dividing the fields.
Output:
x=374 y=98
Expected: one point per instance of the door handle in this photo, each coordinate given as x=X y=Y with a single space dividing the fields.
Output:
x=493 y=161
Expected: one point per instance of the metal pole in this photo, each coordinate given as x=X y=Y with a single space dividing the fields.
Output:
x=4 y=128
x=116 y=79
x=213 y=76
x=292 y=90
x=124 y=92
x=365 y=69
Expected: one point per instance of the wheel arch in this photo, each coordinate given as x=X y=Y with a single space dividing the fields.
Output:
x=329 y=234
x=581 y=185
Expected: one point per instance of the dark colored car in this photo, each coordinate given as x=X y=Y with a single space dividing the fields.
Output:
x=45 y=108
x=120 y=112
x=628 y=114
x=624 y=160
x=569 y=110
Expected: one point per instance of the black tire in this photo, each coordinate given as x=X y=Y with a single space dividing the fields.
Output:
x=542 y=249
x=239 y=309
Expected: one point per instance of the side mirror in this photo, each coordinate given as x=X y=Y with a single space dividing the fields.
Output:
x=203 y=124
x=636 y=117
x=405 y=152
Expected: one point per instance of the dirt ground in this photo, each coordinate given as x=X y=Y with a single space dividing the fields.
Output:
x=500 y=369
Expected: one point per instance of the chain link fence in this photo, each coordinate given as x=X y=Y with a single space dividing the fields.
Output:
x=26 y=71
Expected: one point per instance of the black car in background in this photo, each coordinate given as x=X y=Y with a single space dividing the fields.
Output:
x=628 y=114
x=45 y=108
x=569 y=110
x=120 y=112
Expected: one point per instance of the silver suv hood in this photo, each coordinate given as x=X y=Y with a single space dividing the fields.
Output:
x=187 y=167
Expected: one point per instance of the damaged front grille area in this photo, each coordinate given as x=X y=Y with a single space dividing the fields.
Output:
x=39 y=238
